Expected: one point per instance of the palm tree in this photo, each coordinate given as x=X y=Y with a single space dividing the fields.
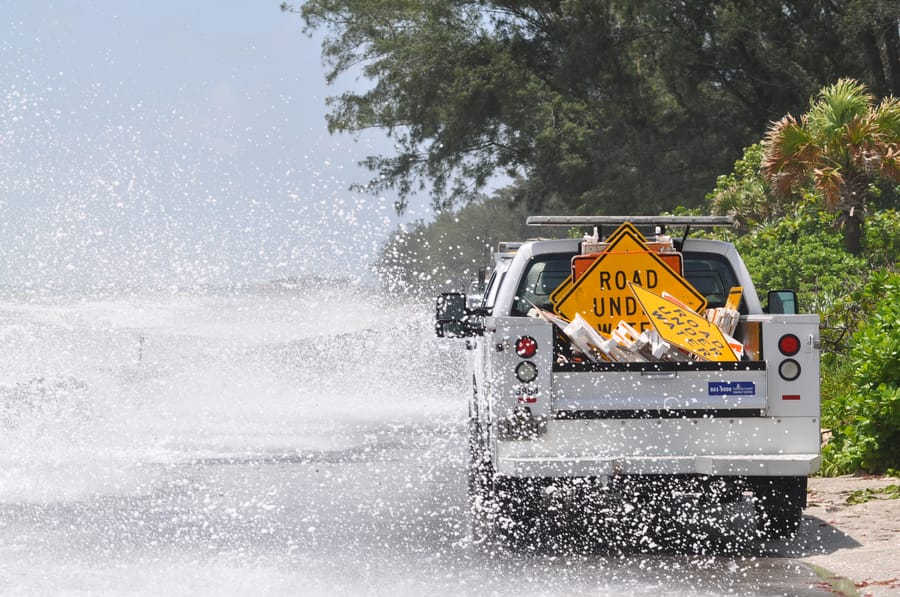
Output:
x=840 y=148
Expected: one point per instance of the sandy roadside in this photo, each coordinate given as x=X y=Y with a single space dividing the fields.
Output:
x=856 y=546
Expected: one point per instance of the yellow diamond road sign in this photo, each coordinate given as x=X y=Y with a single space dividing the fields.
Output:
x=602 y=294
x=684 y=329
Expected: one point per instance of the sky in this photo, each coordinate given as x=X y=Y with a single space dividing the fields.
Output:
x=176 y=143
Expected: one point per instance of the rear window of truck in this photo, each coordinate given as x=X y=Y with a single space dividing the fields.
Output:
x=712 y=276
x=544 y=274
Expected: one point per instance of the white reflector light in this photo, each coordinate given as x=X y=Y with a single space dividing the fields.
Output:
x=526 y=371
x=789 y=370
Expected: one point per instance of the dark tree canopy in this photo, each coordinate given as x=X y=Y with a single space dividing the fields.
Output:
x=603 y=106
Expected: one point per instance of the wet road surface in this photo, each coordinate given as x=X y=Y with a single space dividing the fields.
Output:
x=383 y=515
x=273 y=444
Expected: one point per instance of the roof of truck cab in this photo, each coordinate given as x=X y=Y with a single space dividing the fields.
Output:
x=708 y=246
x=543 y=246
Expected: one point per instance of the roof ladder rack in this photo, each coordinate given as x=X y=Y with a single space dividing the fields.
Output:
x=568 y=221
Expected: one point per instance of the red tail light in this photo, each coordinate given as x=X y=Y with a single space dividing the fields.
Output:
x=526 y=346
x=789 y=345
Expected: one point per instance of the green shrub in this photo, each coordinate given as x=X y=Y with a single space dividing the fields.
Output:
x=803 y=252
x=865 y=419
x=882 y=239
x=793 y=243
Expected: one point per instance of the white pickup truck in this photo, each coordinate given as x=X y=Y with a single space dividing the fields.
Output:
x=744 y=429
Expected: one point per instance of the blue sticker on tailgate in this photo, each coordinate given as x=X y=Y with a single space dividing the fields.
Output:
x=732 y=388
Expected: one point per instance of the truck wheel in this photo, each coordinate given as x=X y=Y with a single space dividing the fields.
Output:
x=480 y=486
x=779 y=505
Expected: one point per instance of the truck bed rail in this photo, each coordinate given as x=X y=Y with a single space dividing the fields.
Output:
x=661 y=367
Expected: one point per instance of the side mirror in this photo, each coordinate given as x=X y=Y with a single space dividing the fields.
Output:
x=475 y=294
x=782 y=302
x=452 y=318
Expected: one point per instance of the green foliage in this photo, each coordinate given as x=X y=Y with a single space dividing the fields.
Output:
x=876 y=350
x=865 y=419
x=802 y=252
x=609 y=106
x=861 y=496
x=836 y=376
x=843 y=313
x=841 y=149
x=744 y=193
x=423 y=259
x=799 y=246
x=882 y=239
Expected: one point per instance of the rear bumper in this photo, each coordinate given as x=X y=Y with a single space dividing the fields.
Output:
x=794 y=465
x=759 y=446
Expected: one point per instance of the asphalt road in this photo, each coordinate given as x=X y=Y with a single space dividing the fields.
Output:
x=382 y=515
x=275 y=445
